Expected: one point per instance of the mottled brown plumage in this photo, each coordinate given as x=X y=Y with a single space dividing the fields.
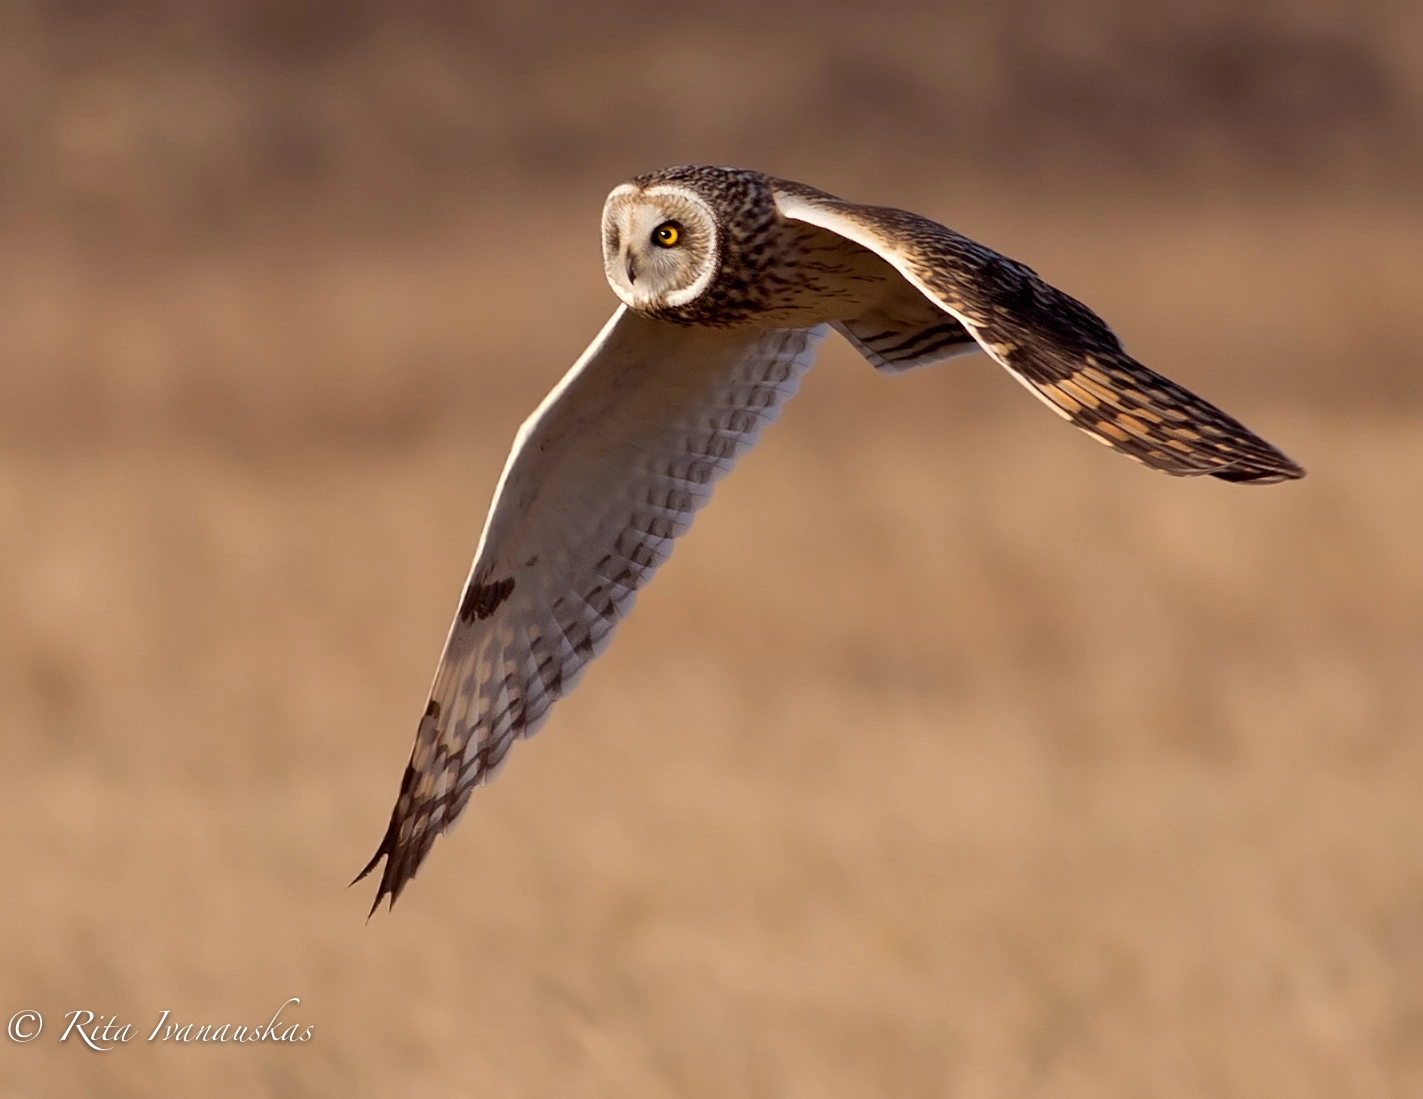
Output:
x=1053 y=344
x=728 y=279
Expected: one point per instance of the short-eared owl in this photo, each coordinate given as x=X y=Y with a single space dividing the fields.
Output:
x=728 y=280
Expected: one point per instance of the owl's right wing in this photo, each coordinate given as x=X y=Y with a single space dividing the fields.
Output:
x=1049 y=341
x=605 y=474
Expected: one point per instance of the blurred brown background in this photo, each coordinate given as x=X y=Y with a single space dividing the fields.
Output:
x=1038 y=774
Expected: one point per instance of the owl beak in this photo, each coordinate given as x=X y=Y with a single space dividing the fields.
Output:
x=631 y=270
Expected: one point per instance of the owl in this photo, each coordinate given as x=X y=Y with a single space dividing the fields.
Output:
x=728 y=279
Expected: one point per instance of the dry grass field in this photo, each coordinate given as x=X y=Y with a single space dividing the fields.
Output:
x=951 y=755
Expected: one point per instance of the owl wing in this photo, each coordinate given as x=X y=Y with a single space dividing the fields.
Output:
x=603 y=477
x=1050 y=342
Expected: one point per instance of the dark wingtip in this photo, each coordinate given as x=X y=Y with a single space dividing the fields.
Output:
x=384 y=851
x=375 y=861
x=1283 y=470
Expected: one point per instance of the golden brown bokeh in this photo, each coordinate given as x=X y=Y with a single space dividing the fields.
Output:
x=1037 y=774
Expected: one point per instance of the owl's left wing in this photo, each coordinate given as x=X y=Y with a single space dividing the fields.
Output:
x=1049 y=341
x=605 y=474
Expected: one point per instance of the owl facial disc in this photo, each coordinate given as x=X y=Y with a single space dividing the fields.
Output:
x=661 y=245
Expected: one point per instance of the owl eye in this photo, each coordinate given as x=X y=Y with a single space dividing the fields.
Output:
x=667 y=234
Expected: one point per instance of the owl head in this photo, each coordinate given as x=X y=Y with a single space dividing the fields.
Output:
x=662 y=243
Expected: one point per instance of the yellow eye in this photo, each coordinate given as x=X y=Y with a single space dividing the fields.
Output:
x=667 y=234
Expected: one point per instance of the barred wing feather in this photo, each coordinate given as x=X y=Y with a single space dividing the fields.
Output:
x=1049 y=341
x=603 y=477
